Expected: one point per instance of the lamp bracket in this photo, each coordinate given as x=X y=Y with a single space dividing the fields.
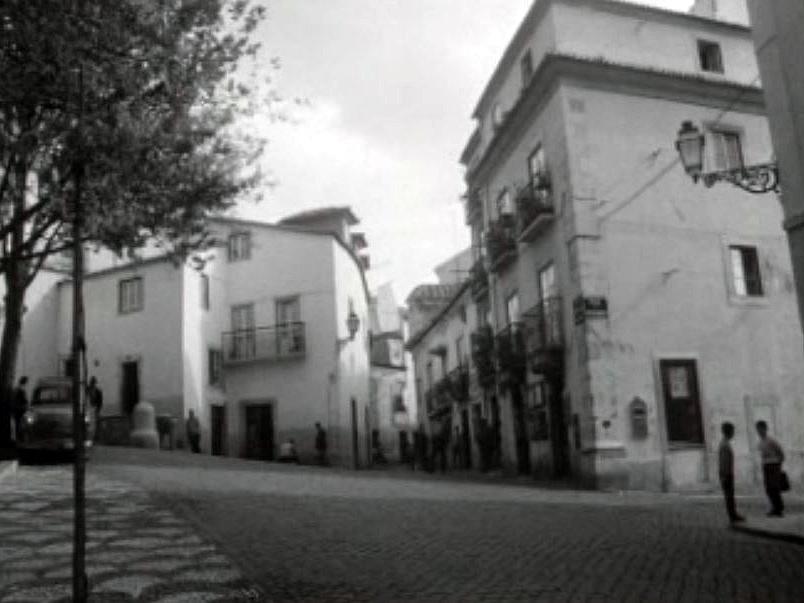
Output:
x=759 y=178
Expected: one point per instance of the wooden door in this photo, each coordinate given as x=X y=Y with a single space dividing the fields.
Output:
x=260 y=432
x=218 y=430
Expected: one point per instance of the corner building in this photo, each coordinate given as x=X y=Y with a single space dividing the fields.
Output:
x=632 y=310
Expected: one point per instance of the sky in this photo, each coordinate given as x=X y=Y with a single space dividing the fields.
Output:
x=389 y=87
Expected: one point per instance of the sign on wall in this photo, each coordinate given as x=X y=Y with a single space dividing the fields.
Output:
x=589 y=307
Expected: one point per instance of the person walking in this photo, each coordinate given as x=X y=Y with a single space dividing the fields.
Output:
x=726 y=471
x=95 y=399
x=19 y=405
x=320 y=444
x=193 y=432
x=457 y=453
x=772 y=458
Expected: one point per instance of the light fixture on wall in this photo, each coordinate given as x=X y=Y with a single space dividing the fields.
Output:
x=759 y=178
x=352 y=326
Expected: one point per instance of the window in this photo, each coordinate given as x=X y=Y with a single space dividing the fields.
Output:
x=214 y=364
x=460 y=354
x=239 y=246
x=547 y=282
x=682 y=402
x=289 y=334
x=746 y=278
x=710 y=56
x=526 y=68
x=497 y=115
x=512 y=308
x=504 y=205
x=536 y=166
x=130 y=295
x=244 y=336
x=205 y=292
x=726 y=149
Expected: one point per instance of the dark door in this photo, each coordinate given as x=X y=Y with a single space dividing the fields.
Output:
x=260 y=432
x=466 y=443
x=218 y=430
x=558 y=429
x=682 y=402
x=130 y=394
x=520 y=432
x=355 y=445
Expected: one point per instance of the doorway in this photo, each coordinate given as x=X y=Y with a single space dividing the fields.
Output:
x=355 y=444
x=218 y=430
x=558 y=429
x=260 y=432
x=130 y=386
x=466 y=442
x=520 y=432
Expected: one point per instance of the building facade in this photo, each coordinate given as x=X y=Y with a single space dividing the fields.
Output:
x=629 y=312
x=262 y=340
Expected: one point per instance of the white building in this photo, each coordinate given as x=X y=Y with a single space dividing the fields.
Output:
x=257 y=342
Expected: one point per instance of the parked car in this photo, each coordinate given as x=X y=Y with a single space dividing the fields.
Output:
x=48 y=423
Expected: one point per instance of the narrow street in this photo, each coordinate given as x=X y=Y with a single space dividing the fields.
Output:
x=310 y=534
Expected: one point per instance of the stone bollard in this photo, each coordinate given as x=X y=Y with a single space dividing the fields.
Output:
x=144 y=434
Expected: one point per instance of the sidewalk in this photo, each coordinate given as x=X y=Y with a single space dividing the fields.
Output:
x=789 y=528
x=136 y=550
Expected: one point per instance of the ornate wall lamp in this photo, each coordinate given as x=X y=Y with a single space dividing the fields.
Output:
x=759 y=178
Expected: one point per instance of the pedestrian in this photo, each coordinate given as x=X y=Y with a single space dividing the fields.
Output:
x=726 y=471
x=457 y=457
x=19 y=405
x=419 y=449
x=772 y=458
x=320 y=444
x=193 y=432
x=95 y=399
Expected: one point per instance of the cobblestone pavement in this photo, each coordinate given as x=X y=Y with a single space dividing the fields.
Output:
x=309 y=534
x=136 y=551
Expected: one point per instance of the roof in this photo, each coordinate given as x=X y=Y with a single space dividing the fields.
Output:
x=458 y=292
x=322 y=212
x=434 y=292
x=539 y=7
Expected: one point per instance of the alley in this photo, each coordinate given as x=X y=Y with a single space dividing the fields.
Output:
x=310 y=534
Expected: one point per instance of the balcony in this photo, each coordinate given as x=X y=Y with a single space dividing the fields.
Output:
x=479 y=280
x=438 y=398
x=511 y=356
x=458 y=383
x=473 y=208
x=483 y=356
x=534 y=208
x=501 y=243
x=544 y=336
x=280 y=342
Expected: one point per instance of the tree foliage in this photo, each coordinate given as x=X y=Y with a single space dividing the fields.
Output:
x=136 y=99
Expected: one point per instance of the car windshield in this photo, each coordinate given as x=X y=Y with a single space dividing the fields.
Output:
x=50 y=395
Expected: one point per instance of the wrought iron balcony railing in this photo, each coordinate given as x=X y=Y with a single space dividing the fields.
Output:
x=511 y=356
x=501 y=242
x=483 y=356
x=438 y=397
x=479 y=280
x=458 y=383
x=264 y=343
x=544 y=336
x=534 y=207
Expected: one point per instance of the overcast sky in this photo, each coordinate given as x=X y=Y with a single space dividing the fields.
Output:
x=391 y=85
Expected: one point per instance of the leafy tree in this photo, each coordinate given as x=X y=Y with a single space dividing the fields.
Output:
x=134 y=106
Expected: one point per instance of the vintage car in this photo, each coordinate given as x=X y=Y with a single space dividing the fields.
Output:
x=48 y=423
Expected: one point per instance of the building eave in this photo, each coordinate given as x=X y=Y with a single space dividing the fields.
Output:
x=416 y=338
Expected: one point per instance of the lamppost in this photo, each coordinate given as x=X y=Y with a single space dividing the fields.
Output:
x=757 y=178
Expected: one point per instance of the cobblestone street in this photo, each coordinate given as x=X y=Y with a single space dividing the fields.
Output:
x=309 y=534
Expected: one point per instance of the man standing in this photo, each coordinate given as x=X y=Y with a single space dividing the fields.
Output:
x=95 y=399
x=772 y=458
x=194 y=432
x=19 y=405
x=320 y=444
x=726 y=470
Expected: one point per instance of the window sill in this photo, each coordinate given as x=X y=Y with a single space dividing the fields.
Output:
x=681 y=446
x=757 y=301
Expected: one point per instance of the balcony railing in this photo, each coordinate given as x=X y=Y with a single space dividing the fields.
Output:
x=473 y=208
x=264 y=343
x=511 y=356
x=479 y=280
x=501 y=242
x=544 y=336
x=534 y=207
x=438 y=397
x=483 y=356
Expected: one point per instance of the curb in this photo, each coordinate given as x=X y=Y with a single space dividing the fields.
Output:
x=770 y=534
x=7 y=468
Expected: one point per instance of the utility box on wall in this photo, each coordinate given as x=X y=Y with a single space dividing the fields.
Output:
x=638 y=413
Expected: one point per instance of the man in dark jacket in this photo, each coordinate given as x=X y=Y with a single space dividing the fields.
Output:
x=19 y=405
x=726 y=471
x=320 y=444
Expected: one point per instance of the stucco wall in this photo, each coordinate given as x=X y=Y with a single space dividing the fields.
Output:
x=151 y=336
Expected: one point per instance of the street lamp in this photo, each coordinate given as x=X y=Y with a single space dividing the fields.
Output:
x=352 y=324
x=758 y=178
